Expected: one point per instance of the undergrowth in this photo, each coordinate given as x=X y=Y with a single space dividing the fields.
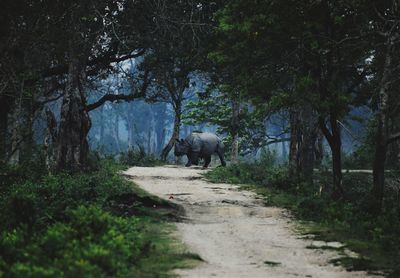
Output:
x=375 y=238
x=138 y=157
x=93 y=224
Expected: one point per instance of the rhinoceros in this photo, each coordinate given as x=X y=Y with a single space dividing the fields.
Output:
x=200 y=145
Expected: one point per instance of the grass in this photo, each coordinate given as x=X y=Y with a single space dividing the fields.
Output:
x=86 y=225
x=165 y=254
x=374 y=238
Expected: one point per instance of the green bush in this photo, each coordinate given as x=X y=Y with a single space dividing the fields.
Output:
x=66 y=225
x=92 y=242
x=260 y=173
x=139 y=157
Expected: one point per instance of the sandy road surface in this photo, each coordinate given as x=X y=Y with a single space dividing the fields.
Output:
x=233 y=232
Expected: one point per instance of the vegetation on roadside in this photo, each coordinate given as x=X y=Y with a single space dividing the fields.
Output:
x=93 y=224
x=374 y=238
x=139 y=157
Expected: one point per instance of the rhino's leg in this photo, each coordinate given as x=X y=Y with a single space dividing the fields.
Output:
x=221 y=157
x=207 y=161
x=194 y=158
x=189 y=163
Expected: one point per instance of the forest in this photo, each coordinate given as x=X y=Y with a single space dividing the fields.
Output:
x=302 y=93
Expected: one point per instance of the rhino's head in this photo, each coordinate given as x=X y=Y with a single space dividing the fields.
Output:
x=181 y=147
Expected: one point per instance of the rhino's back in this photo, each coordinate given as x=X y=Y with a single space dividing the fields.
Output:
x=209 y=142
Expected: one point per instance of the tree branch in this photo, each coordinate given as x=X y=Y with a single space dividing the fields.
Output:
x=275 y=141
x=106 y=59
x=114 y=97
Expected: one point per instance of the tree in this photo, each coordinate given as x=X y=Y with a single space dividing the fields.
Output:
x=60 y=46
x=239 y=120
x=306 y=56
x=171 y=84
x=385 y=28
x=177 y=54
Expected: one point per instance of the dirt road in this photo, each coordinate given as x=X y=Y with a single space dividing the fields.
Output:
x=233 y=232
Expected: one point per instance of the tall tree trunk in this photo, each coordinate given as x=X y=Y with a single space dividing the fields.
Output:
x=29 y=130
x=160 y=139
x=150 y=132
x=338 y=192
x=319 y=149
x=115 y=131
x=294 y=143
x=149 y=141
x=101 y=132
x=235 y=132
x=303 y=128
x=378 y=167
x=4 y=110
x=335 y=143
x=284 y=149
x=130 y=130
x=16 y=134
x=175 y=133
x=160 y=127
x=50 y=138
x=381 y=138
x=235 y=149
x=74 y=122
x=309 y=127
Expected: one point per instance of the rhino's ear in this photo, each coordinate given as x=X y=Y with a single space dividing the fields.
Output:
x=182 y=141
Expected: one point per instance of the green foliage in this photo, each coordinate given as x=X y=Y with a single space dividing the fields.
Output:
x=363 y=155
x=32 y=170
x=83 y=225
x=361 y=158
x=264 y=172
x=375 y=238
x=217 y=109
x=139 y=157
x=91 y=242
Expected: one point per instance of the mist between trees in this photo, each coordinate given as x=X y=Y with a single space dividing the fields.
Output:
x=312 y=80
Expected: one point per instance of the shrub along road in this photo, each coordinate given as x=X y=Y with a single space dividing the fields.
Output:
x=234 y=233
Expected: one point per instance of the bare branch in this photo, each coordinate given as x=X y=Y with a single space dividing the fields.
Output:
x=113 y=97
x=107 y=59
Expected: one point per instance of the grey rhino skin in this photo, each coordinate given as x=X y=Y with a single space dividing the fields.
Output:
x=200 y=145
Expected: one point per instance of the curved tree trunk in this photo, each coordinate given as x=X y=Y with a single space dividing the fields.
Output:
x=73 y=147
x=333 y=137
x=175 y=134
